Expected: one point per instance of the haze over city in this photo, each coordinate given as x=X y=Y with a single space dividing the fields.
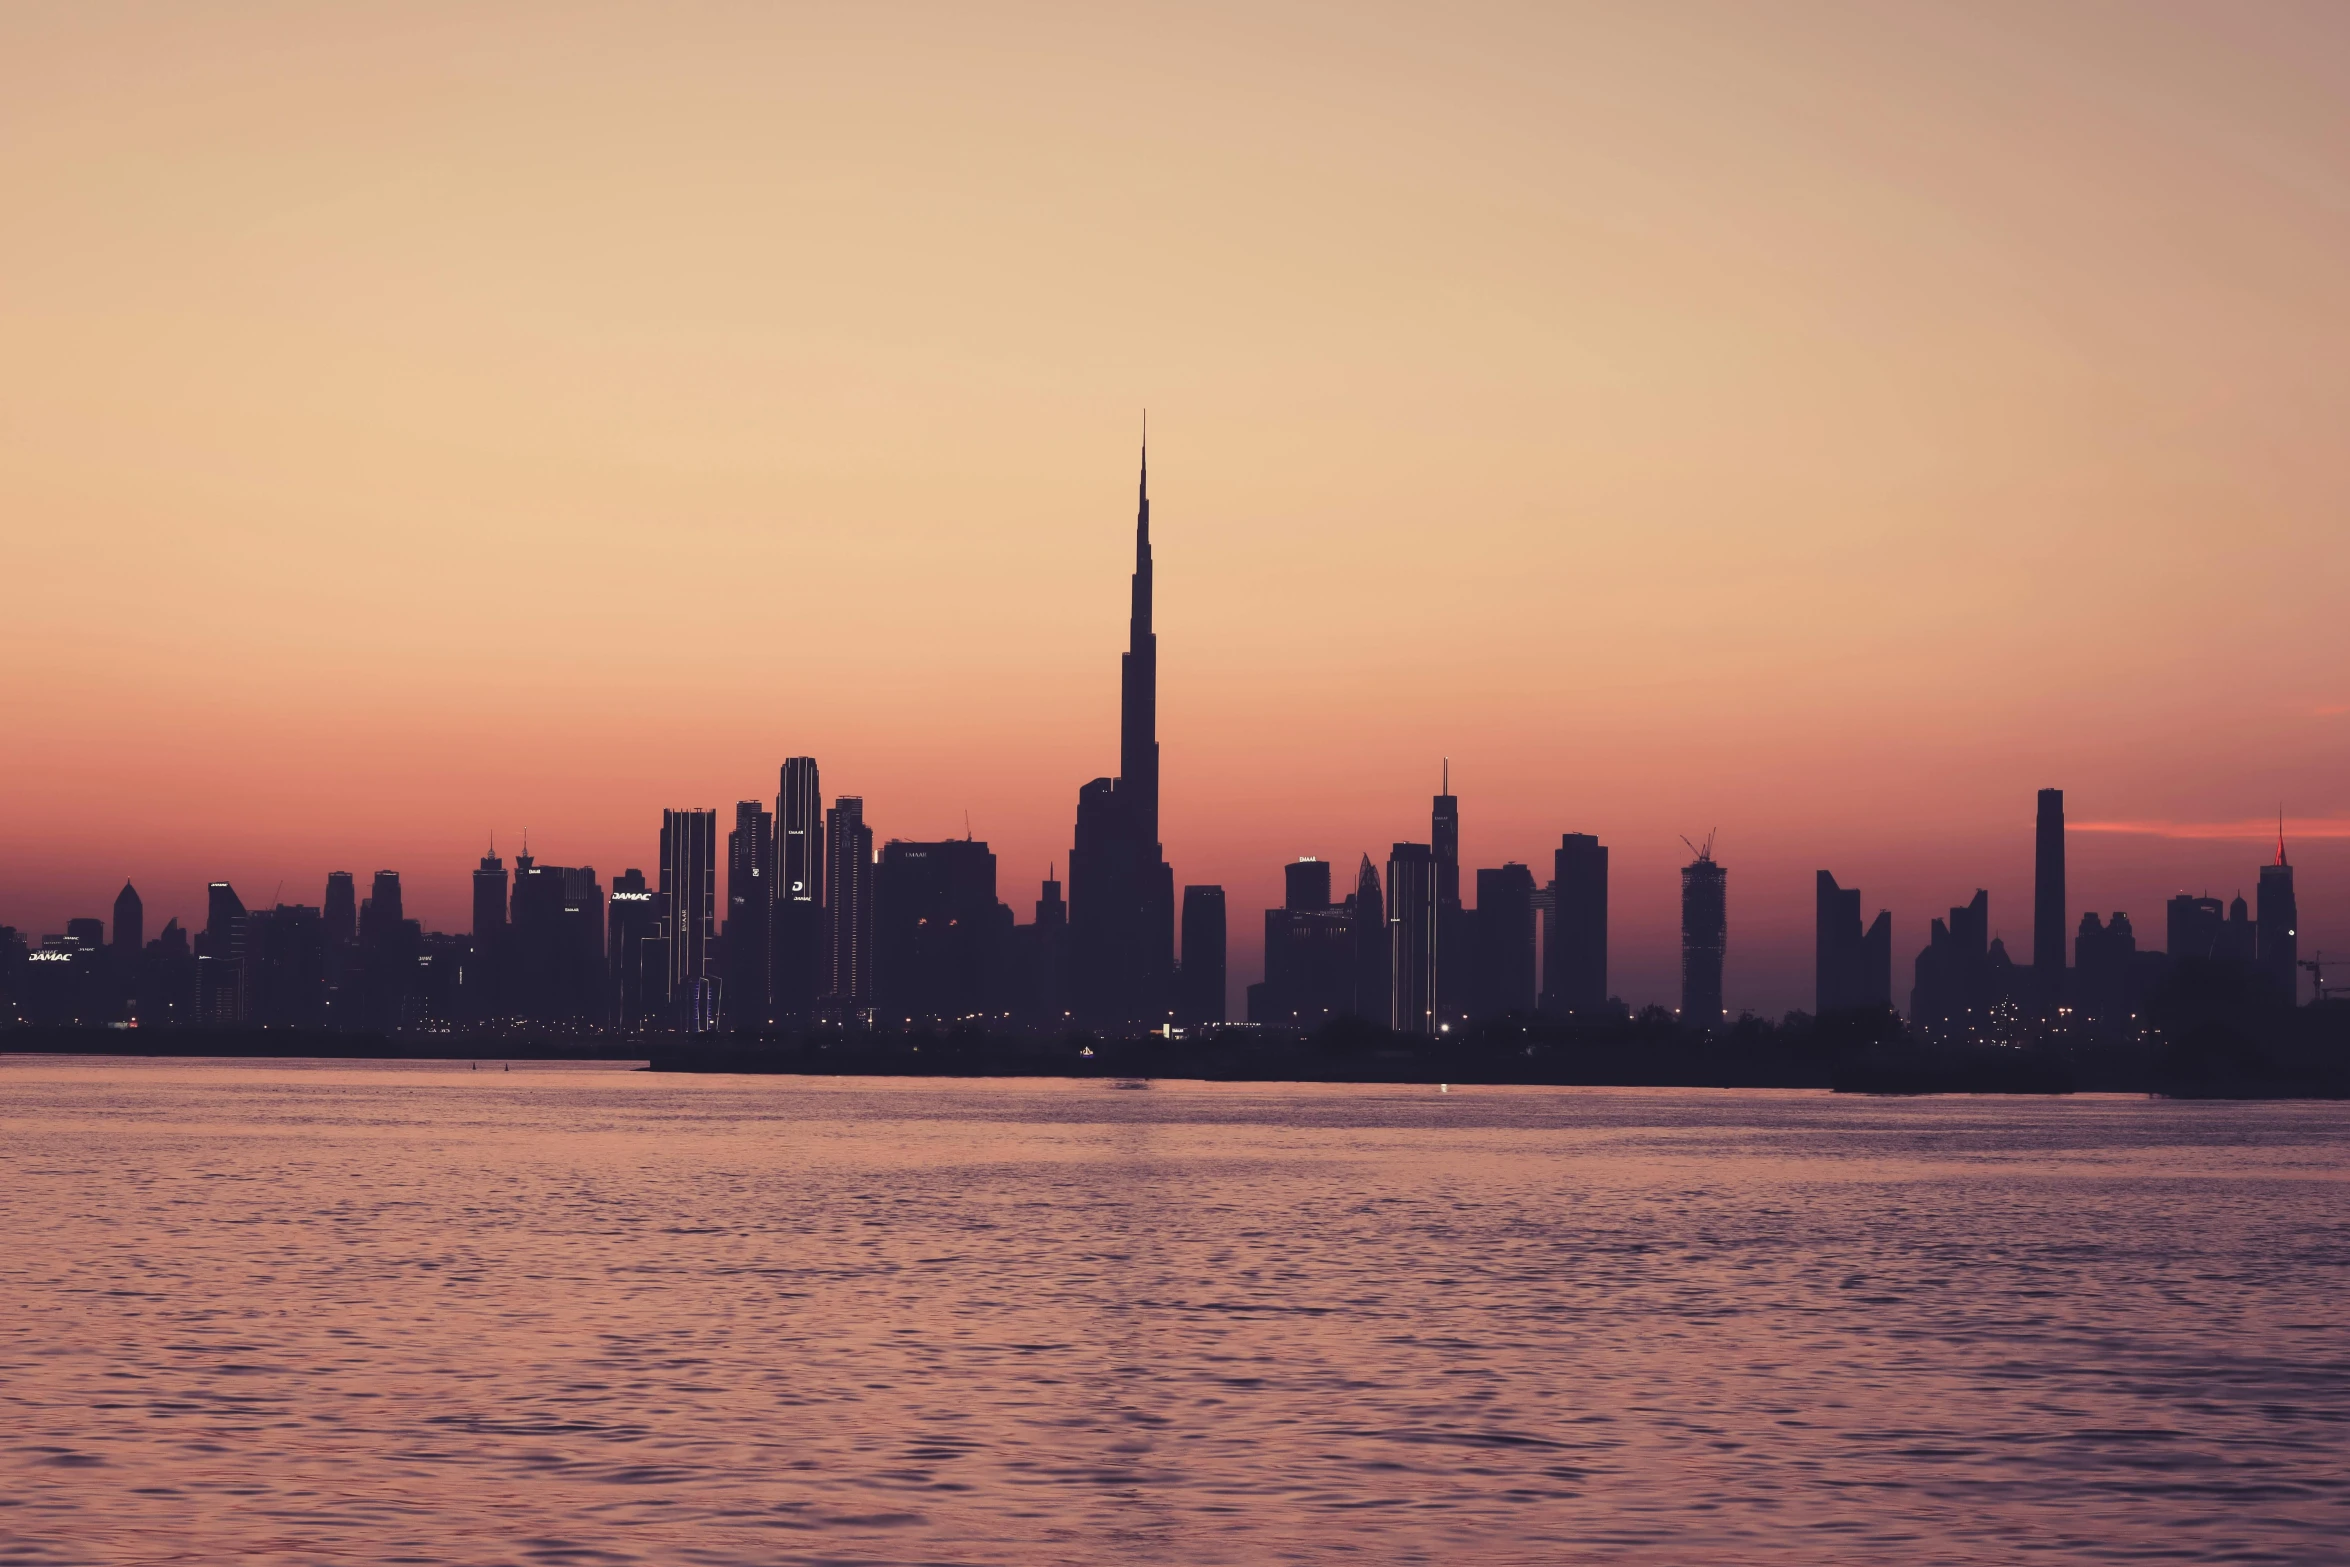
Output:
x=1823 y=427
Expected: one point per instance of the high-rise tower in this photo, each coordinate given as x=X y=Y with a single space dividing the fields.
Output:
x=2048 y=923
x=1121 y=890
x=1444 y=842
x=1574 y=960
x=800 y=975
x=489 y=898
x=1138 y=683
x=848 y=908
x=689 y=890
x=2279 y=950
x=1704 y=934
x=750 y=908
x=130 y=920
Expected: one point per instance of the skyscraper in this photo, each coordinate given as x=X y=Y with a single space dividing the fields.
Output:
x=130 y=922
x=1444 y=842
x=489 y=900
x=1412 y=927
x=554 y=944
x=750 y=872
x=341 y=909
x=1574 y=959
x=1367 y=910
x=848 y=907
x=2195 y=927
x=388 y=945
x=1200 y=993
x=1851 y=967
x=1704 y=935
x=640 y=977
x=1121 y=890
x=224 y=923
x=383 y=907
x=1953 y=984
x=940 y=938
x=689 y=886
x=2280 y=935
x=1309 y=953
x=2049 y=928
x=1502 y=957
x=1305 y=884
x=1043 y=947
x=2102 y=958
x=797 y=980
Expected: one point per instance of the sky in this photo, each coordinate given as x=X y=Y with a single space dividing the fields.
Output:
x=1822 y=425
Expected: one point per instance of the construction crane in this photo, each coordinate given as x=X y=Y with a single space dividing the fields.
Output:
x=1706 y=852
x=2317 y=964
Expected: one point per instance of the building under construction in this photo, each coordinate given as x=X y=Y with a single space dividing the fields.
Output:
x=1704 y=933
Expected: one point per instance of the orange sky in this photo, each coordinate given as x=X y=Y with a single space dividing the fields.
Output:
x=1824 y=423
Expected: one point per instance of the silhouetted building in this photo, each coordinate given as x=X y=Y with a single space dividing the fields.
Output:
x=1309 y=953
x=2279 y=943
x=1853 y=967
x=1413 y=957
x=639 y=954
x=382 y=909
x=689 y=889
x=750 y=871
x=489 y=900
x=220 y=997
x=1705 y=928
x=1199 y=991
x=285 y=966
x=556 y=943
x=798 y=978
x=220 y=991
x=130 y=922
x=2104 y=960
x=163 y=981
x=940 y=938
x=1367 y=919
x=1121 y=890
x=1574 y=959
x=1952 y=990
x=2049 y=925
x=388 y=946
x=486 y=990
x=1457 y=978
x=1043 y=952
x=848 y=908
x=224 y=923
x=167 y=978
x=341 y=909
x=2195 y=927
x=1500 y=943
x=437 y=986
x=1305 y=884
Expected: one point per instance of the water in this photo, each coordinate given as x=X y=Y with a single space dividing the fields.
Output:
x=313 y=1312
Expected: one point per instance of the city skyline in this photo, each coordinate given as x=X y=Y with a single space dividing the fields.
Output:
x=1829 y=427
x=925 y=928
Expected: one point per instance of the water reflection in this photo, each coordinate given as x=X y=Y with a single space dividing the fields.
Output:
x=293 y=1311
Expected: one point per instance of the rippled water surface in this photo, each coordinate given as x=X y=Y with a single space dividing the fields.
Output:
x=302 y=1312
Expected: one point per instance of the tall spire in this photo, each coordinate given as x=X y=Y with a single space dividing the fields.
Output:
x=2280 y=834
x=1138 y=727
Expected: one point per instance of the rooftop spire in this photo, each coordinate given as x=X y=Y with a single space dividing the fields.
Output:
x=1142 y=495
x=2280 y=835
